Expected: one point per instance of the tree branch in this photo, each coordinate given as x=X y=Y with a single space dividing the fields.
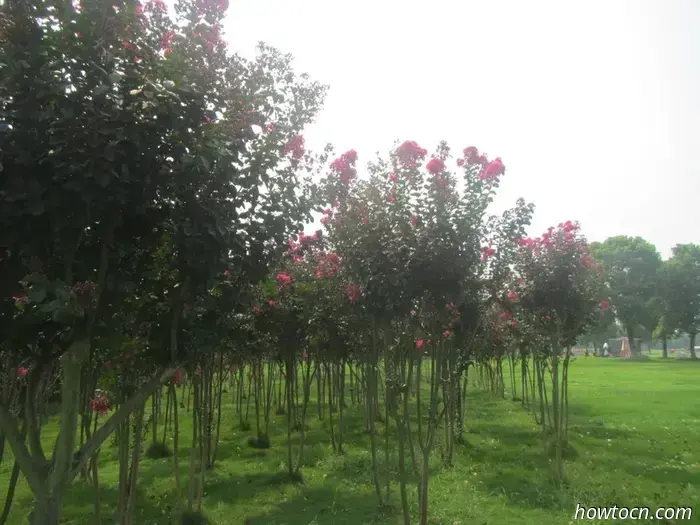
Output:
x=118 y=418
x=33 y=426
x=8 y=423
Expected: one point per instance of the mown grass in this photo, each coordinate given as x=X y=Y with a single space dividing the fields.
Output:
x=635 y=431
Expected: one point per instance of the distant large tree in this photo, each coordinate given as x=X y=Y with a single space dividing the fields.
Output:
x=631 y=267
x=604 y=329
x=682 y=291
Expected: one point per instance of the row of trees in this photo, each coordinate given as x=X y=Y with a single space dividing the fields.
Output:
x=151 y=188
x=648 y=295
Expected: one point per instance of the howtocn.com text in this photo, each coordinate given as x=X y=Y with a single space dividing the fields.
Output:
x=632 y=513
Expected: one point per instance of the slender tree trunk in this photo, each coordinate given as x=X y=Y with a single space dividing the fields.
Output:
x=691 y=346
x=664 y=345
x=14 y=476
x=630 y=338
x=176 y=450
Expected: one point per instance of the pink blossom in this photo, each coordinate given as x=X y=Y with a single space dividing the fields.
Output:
x=419 y=344
x=413 y=220
x=22 y=371
x=273 y=303
x=460 y=162
x=487 y=252
x=350 y=156
x=295 y=148
x=100 y=404
x=471 y=154
x=410 y=152
x=493 y=170
x=365 y=220
x=513 y=296
x=353 y=292
x=446 y=334
x=604 y=305
x=393 y=177
x=435 y=166
x=227 y=273
x=344 y=166
x=284 y=279
x=23 y=299
x=177 y=378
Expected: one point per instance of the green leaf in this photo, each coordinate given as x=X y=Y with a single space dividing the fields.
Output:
x=37 y=295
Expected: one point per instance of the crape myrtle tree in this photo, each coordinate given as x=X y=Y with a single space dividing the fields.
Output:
x=413 y=248
x=139 y=162
x=559 y=288
x=631 y=267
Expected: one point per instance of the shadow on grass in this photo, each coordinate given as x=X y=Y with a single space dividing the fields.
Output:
x=80 y=503
x=325 y=506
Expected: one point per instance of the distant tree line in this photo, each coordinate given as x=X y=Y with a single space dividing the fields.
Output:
x=651 y=299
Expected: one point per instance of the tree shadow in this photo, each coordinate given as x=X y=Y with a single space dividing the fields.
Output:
x=80 y=502
x=325 y=506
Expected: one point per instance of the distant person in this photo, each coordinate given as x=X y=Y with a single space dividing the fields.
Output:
x=605 y=349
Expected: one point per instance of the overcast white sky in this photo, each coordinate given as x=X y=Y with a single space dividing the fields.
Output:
x=593 y=105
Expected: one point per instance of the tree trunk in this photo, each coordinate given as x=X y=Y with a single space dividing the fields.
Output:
x=630 y=338
x=664 y=346
x=46 y=511
x=691 y=346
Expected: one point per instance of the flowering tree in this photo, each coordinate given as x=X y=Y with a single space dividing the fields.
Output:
x=153 y=161
x=413 y=253
x=559 y=289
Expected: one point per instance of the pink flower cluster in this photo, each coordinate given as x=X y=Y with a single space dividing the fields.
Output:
x=344 y=166
x=563 y=237
x=435 y=166
x=353 y=292
x=100 y=403
x=328 y=265
x=486 y=252
x=507 y=319
x=490 y=170
x=410 y=153
x=178 y=378
x=295 y=148
x=166 y=41
x=283 y=279
x=296 y=248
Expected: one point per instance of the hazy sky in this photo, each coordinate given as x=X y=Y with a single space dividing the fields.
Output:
x=592 y=105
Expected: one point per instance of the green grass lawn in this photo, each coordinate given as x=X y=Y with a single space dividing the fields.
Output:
x=635 y=429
